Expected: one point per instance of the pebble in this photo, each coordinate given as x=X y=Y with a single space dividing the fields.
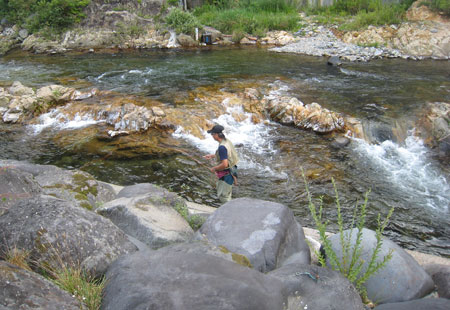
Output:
x=320 y=41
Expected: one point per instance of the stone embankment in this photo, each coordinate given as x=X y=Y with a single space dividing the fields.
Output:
x=247 y=254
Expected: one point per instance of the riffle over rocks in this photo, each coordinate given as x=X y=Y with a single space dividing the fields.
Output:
x=125 y=115
x=115 y=123
x=226 y=267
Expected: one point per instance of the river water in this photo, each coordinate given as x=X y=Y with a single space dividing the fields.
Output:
x=385 y=95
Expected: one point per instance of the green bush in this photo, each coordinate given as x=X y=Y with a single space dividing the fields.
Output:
x=40 y=14
x=181 y=21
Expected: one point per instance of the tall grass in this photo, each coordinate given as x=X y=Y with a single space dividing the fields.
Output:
x=252 y=17
x=71 y=279
x=84 y=287
x=359 y=14
x=441 y=6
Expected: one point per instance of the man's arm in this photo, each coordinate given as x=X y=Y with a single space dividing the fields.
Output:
x=222 y=166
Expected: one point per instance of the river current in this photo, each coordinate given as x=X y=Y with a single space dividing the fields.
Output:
x=385 y=95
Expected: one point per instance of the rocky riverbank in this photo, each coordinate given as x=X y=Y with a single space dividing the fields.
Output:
x=423 y=36
x=248 y=254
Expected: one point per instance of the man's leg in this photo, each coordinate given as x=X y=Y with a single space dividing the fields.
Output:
x=224 y=191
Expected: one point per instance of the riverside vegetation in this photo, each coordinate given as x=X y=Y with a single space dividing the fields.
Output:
x=237 y=17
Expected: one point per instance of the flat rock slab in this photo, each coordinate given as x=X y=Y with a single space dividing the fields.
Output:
x=149 y=220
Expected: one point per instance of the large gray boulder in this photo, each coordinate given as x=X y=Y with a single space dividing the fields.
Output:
x=75 y=186
x=441 y=277
x=419 y=304
x=15 y=185
x=265 y=232
x=175 y=277
x=26 y=290
x=313 y=287
x=148 y=219
x=56 y=233
x=402 y=279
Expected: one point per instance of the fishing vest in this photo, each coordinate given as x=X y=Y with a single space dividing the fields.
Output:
x=233 y=158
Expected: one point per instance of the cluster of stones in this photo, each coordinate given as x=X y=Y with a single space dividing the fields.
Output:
x=415 y=40
x=321 y=41
x=424 y=36
x=18 y=101
x=248 y=254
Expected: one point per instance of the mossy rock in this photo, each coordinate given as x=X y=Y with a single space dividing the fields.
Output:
x=237 y=258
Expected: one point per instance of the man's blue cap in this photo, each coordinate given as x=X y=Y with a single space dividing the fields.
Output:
x=216 y=129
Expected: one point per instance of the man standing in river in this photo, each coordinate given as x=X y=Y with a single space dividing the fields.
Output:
x=225 y=169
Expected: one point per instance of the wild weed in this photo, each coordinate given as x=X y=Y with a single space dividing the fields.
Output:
x=351 y=265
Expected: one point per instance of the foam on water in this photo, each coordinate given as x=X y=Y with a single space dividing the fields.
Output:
x=409 y=168
x=252 y=140
x=58 y=120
